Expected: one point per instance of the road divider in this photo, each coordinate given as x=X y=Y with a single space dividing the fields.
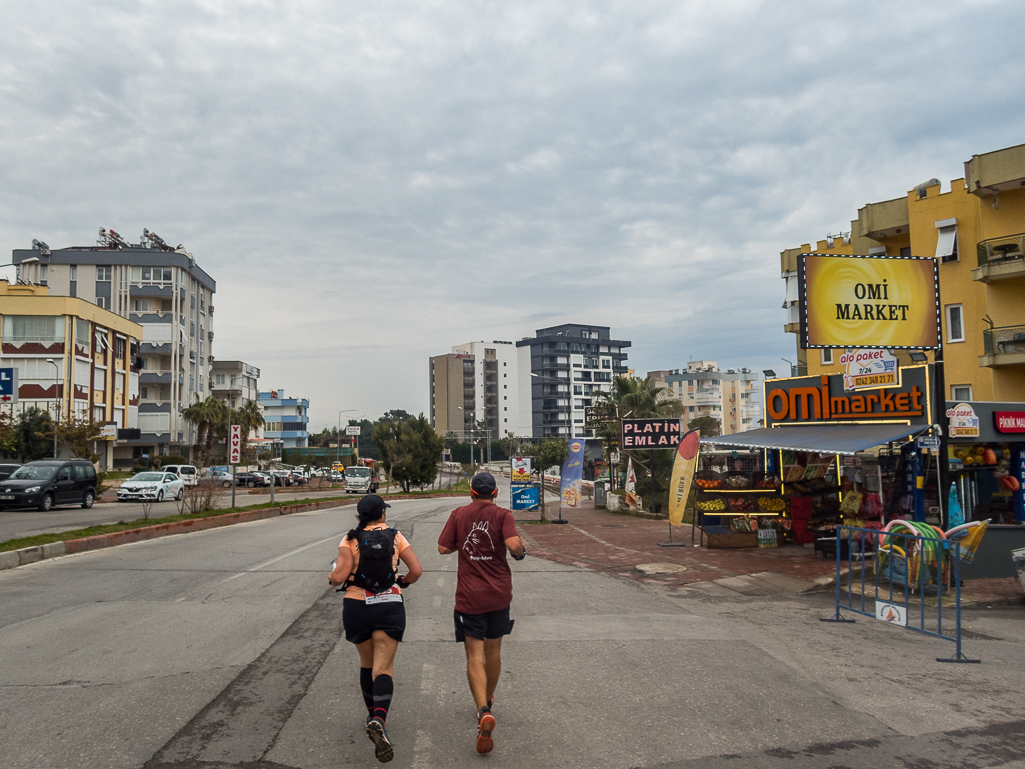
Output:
x=114 y=534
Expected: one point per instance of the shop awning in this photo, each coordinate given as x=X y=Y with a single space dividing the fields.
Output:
x=824 y=439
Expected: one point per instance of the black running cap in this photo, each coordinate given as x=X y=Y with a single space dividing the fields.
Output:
x=483 y=484
x=371 y=503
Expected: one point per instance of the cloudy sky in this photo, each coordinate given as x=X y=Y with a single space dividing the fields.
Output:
x=371 y=183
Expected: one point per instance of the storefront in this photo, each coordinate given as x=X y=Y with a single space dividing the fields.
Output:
x=828 y=456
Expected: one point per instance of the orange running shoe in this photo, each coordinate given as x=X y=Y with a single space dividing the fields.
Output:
x=485 y=726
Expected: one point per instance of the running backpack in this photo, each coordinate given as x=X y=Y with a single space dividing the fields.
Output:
x=375 y=570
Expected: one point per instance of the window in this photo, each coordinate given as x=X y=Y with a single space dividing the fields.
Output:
x=827 y=357
x=33 y=328
x=74 y=272
x=103 y=272
x=955 y=323
x=103 y=302
x=906 y=251
x=946 y=242
x=144 y=392
x=961 y=392
x=82 y=332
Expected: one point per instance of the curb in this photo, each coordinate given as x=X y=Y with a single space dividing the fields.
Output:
x=11 y=559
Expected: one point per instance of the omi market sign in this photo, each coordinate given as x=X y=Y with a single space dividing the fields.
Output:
x=869 y=301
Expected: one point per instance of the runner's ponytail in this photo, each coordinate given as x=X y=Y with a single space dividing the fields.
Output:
x=364 y=520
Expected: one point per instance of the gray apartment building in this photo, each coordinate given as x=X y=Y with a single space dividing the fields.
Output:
x=161 y=288
x=560 y=369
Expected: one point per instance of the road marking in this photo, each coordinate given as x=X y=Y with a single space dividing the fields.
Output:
x=420 y=749
x=283 y=556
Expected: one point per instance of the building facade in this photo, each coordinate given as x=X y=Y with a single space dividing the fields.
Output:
x=169 y=296
x=559 y=370
x=495 y=386
x=73 y=358
x=285 y=420
x=732 y=397
x=234 y=382
x=976 y=231
x=452 y=393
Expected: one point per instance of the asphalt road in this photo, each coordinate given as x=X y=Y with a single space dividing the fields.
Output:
x=26 y=523
x=222 y=650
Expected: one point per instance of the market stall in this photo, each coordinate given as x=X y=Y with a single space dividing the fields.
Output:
x=829 y=456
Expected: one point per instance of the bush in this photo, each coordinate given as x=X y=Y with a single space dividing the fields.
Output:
x=173 y=459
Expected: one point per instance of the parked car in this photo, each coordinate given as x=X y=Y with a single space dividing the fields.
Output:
x=48 y=483
x=187 y=473
x=336 y=477
x=6 y=470
x=282 y=478
x=218 y=476
x=157 y=485
x=252 y=480
x=298 y=479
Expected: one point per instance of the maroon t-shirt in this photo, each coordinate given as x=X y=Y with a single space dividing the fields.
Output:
x=478 y=532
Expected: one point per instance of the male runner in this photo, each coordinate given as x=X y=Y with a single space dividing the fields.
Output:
x=481 y=532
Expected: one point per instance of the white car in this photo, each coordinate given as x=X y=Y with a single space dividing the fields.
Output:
x=157 y=486
x=187 y=473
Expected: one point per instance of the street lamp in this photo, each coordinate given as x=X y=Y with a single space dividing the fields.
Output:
x=338 y=439
x=56 y=397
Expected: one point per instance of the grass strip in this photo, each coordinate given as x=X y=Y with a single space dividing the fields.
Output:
x=140 y=523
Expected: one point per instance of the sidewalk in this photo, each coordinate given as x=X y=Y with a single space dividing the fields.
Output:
x=628 y=547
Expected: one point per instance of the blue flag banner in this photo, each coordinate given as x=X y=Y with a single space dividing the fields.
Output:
x=572 y=474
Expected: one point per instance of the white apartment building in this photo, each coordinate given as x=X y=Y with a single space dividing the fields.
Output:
x=496 y=385
x=732 y=396
x=162 y=289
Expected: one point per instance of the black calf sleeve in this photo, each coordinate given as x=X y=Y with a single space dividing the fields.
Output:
x=366 y=685
x=384 y=687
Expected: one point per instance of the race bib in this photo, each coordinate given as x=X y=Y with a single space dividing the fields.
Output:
x=391 y=595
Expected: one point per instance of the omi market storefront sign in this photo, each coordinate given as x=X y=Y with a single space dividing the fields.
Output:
x=869 y=301
x=818 y=399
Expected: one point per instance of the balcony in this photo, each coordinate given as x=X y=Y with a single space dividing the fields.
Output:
x=1000 y=258
x=885 y=219
x=1003 y=346
x=152 y=377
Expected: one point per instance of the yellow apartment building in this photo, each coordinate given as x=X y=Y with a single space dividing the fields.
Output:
x=72 y=358
x=976 y=230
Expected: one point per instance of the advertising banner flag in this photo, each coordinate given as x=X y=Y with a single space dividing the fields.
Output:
x=684 y=464
x=520 y=469
x=572 y=474
x=869 y=301
x=630 y=487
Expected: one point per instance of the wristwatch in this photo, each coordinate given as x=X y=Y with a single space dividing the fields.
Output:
x=522 y=554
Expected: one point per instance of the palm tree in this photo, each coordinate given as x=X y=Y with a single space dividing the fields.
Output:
x=249 y=417
x=200 y=414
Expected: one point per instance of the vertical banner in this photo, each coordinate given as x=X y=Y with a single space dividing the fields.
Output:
x=684 y=464
x=572 y=474
x=630 y=487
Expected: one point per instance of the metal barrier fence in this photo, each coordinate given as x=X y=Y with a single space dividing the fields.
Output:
x=905 y=568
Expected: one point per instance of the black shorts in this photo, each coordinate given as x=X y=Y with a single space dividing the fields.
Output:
x=493 y=624
x=360 y=621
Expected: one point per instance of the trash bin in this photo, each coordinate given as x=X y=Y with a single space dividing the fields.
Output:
x=600 y=494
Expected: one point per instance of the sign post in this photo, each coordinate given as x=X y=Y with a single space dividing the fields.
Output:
x=8 y=385
x=234 y=455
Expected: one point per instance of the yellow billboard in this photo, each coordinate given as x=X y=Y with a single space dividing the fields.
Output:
x=869 y=301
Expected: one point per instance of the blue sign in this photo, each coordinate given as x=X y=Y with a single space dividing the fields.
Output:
x=8 y=385
x=927 y=442
x=525 y=497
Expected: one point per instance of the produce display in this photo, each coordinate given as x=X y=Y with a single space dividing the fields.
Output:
x=711 y=506
x=767 y=483
x=707 y=483
x=772 y=504
x=737 y=482
x=740 y=504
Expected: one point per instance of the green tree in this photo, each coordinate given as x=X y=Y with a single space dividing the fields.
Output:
x=34 y=435
x=78 y=436
x=410 y=450
x=552 y=452
x=8 y=436
x=210 y=416
x=709 y=426
x=248 y=417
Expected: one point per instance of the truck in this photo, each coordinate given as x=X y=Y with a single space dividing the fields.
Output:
x=360 y=479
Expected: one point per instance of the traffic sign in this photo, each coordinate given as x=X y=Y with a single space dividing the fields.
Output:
x=8 y=385
x=235 y=445
x=927 y=442
x=352 y=430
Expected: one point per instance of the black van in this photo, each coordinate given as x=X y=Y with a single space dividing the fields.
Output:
x=48 y=483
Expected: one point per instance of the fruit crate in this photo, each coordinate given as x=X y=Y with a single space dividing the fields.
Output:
x=721 y=537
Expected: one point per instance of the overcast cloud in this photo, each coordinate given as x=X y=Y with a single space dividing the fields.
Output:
x=371 y=183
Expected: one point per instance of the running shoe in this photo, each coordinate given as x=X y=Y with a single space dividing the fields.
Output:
x=485 y=726
x=382 y=745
